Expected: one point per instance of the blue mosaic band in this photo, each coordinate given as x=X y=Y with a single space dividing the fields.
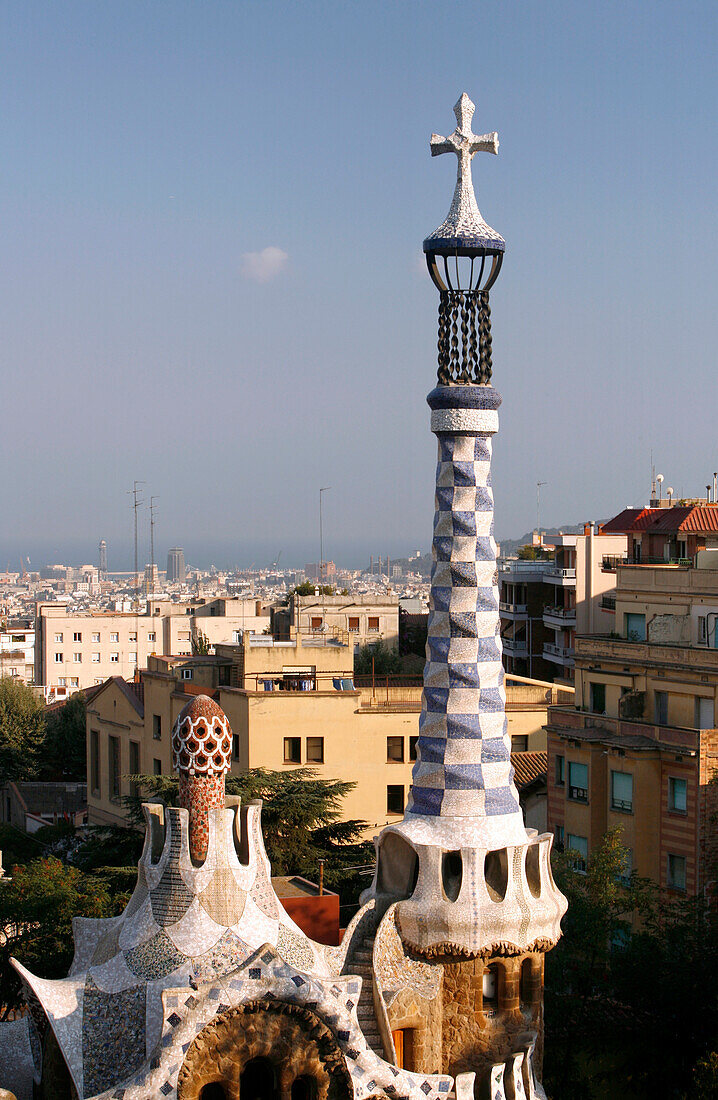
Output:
x=463 y=766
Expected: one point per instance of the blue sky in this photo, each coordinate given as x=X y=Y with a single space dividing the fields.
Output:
x=150 y=151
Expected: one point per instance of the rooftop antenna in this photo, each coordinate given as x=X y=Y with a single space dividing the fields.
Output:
x=715 y=487
x=538 y=506
x=153 y=513
x=325 y=489
x=134 y=492
x=669 y=494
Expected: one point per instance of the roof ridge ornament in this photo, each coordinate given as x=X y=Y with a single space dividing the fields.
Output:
x=464 y=227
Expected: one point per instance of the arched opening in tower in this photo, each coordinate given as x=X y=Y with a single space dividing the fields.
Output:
x=304 y=1087
x=258 y=1081
x=398 y=869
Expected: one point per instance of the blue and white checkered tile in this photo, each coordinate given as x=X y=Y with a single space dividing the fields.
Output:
x=463 y=764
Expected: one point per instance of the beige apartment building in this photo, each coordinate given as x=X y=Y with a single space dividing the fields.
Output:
x=82 y=649
x=366 y=619
x=290 y=704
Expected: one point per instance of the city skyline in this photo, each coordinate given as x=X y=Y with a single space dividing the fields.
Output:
x=190 y=300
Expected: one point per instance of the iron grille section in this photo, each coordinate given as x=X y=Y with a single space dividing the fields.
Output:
x=578 y=794
x=464 y=337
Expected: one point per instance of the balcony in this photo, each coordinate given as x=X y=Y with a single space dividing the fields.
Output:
x=564 y=577
x=608 y=603
x=559 y=616
x=514 y=611
x=601 y=647
x=610 y=561
x=516 y=647
x=558 y=654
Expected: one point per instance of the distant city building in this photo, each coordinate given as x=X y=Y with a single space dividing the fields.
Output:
x=103 y=559
x=76 y=649
x=176 y=572
x=362 y=619
x=312 y=571
x=151 y=581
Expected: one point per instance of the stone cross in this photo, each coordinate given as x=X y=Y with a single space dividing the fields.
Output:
x=464 y=218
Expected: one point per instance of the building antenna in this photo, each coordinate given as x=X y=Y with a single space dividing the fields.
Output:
x=134 y=492
x=538 y=505
x=153 y=513
x=325 y=489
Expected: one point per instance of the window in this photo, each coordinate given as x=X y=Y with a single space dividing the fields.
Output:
x=354 y=624
x=61 y=682
x=77 y=658
x=133 y=636
x=373 y=624
x=95 y=658
x=395 y=750
x=235 y=746
x=186 y=673
x=625 y=874
x=490 y=990
x=598 y=698
x=74 y=682
x=292 y=750
x=635 y=627
x=157 y=766
x=114 y=766
x=395 y=799
x=676 y=872
x=98 y=680
x=702 y=633
x=622 y=791
x=316 y=622
x=578 y=844
x=114 y=637
x=58 y=638
x=559 y=834
x=133 y=658
x=96 y=638
x=151 y=636
x=560 y=771
x=134 y=765
x=157 y=727
x=183 y=636
x=95 y=761
x=704 y=713
x=58 y=658
x=115 y=658
x=660 y=708
x=77 y=636
x=413 y=742
x=520 y=742
x=578 y=781
x=677 y=795
x=315 y=750
x=236 y=636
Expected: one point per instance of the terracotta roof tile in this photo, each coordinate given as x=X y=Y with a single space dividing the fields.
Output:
x=528 y=766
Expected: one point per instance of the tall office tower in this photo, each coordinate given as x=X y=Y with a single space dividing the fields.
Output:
x=103 y=559
x=175 y=565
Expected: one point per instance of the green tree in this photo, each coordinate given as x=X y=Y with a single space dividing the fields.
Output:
x=64 y=754
x=379 y=657
x=22 y=727
x=36 y=910
x=309 y=588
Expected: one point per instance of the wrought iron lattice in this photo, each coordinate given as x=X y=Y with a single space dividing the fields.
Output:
x=464 y=343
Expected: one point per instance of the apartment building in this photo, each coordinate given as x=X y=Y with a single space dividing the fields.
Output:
x=17 y=650
x=522 y=598
x=641 y=746
x=75 y=650
x=364 y=619
x=291 y=703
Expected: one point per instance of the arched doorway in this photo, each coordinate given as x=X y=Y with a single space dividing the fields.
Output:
x=265 y=1051
x=258 y=1081
x=213 y=1091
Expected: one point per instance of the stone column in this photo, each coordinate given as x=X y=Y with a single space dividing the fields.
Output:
x=463 y=767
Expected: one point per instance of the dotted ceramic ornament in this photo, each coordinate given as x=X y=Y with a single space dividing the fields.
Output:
x=202 y=739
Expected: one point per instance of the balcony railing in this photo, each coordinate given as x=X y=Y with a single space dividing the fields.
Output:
x=610 y=561
x=564 y=614
x=562 y=574
x=608 y=603
x=551 y=650
x=513 y=608
x=517 y=647
x=623 y=804
x=578 y=794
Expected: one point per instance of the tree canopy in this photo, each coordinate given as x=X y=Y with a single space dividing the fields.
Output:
x=22 y=728
x=64 y=753
x=386 y=661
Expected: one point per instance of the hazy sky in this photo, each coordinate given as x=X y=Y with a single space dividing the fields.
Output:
x=211 y=274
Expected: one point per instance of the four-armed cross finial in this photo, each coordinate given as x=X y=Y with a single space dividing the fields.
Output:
x=464 y=223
